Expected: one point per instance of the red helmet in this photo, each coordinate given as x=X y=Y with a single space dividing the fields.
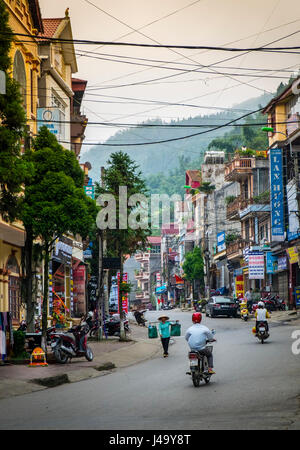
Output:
x=197 y=317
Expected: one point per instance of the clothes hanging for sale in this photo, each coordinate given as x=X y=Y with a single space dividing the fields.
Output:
x=6 y=334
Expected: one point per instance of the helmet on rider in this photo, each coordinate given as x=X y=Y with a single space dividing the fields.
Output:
x=197 y=317
x=261 y=304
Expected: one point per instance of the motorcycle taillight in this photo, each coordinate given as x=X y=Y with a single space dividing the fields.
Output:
x=193 y=356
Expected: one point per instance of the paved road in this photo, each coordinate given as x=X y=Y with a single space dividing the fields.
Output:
x=256 y=387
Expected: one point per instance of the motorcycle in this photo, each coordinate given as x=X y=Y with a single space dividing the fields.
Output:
x=261 y=332
x=112 y=325
x=65 y=346
x=199 y=365
x=139 y=317
x=244 y=313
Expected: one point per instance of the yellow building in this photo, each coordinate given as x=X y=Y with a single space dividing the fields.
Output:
x=24 y=18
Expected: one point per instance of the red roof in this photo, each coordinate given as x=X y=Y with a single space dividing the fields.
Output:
x=50 y=27
x=154 y=239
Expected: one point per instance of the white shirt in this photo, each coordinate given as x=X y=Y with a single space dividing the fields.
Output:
x=197 y=335
x=261 y=314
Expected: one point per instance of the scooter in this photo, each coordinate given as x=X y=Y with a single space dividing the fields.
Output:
x=65 y=346
x=244 y=312
x=139 y=317
x=199 y=365
x=112 y=326
x=261 y=331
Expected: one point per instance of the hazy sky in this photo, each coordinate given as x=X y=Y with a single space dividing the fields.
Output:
x=236 y=23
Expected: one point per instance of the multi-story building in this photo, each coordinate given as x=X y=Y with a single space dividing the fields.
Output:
x=283 y=113
x=251 y=207
x=146 y=275
x=24 y=18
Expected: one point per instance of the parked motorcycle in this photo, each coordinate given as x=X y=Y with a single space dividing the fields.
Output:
x=65 y=346
x=112 y=326
x=262 y=332
x=244 y=312
x=139 y=317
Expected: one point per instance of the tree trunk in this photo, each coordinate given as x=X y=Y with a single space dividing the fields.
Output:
x=30 y=304
x=45 y=297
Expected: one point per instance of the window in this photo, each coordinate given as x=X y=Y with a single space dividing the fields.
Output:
x=19 y=74
x=14 y=297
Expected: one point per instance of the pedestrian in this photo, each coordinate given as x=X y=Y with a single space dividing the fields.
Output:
x=165 y=333
x=249 y=298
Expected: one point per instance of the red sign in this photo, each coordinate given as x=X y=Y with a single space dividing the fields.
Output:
x=125 y=297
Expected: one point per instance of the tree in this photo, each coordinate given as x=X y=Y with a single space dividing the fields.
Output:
x=193 y=267
x=123 y=171
x=54 y=201
x=12 y=129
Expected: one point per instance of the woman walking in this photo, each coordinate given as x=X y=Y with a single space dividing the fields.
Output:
x=164 y=332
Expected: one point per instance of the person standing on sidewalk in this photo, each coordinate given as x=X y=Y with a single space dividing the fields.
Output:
x=165 y=333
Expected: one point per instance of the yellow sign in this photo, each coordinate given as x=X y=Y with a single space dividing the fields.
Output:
x=293 y=255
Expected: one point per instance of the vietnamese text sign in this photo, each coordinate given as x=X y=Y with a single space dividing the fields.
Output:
x=282 y=263
x=293 y=255
x=256 y=266
x=221 y=246
x=270 y=262
x=277 y=205
x=239 y=286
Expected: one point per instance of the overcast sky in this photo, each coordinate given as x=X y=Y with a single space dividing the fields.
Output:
x=236 y=23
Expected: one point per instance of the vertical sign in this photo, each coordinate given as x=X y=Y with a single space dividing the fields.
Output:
x=270 y=262
x=125 y=297
x=256 y=266
x=221 y=246
x=277 y=206
x=239 y=286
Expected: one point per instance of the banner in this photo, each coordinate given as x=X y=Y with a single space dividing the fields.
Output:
x=294 y=229
x=277 y=204
x=256 y=266
x=270 y=262
x=239 y=286
x=125 y=297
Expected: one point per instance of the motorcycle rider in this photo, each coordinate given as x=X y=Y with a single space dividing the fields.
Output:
x=261 y=315
x=197 y=336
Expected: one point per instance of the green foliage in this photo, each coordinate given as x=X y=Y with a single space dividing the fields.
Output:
x=206 y=187
x=231 y=237
x=264 y=197
x=193 y=266
x=19 y=344
x=13 y=121
x=230 y=199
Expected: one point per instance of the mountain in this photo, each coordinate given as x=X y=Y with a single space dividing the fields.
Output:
x=161 y=158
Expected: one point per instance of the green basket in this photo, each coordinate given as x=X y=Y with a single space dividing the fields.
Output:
x=152 y=332
x=176 y=329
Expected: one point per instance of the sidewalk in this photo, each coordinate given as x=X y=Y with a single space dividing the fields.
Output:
x=285 y=316
x=109 y=355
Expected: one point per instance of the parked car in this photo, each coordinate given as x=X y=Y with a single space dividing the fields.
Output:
x=221 y=306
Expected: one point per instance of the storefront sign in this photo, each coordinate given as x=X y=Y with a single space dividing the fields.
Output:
x=297 y=296
x=79 y=282
x=239 y=286
x=270 y=262
x=282 y=263
x=50 y=118
x=124 y=297
x=293 y=255
x=221 y=246
x=277 y=205
x=294 y=228
x=256 y=266
x=63 y=250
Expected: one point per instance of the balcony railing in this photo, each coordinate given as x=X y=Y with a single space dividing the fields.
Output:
x=239 y=168
x=235 y=249
x=233 y=208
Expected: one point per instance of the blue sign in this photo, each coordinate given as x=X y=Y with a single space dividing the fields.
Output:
x=297 y=296
x=277 y=205
x=270 y=262
x=50 y=118
x=221 y=246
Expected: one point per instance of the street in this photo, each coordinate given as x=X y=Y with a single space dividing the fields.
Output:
x=255 y=387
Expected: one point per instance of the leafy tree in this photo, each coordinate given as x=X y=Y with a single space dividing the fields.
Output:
x=13 y=121
x=193 y=267
x=54 y=201
x=123 y=171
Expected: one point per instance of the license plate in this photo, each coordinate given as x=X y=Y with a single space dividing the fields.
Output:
x=193 y=362
x=261 y=329
x=53 y=344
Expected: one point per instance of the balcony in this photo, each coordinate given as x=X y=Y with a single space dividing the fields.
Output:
x=234 y=208
x=142 y=295
x=142 y=257
x=239 y=169
x=142 y=275
x=234 y=250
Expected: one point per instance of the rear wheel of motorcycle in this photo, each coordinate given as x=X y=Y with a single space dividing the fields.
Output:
x=196 y=379
x=60 y=356
x=207 y=380
x=262 y=341
x=89 y=354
